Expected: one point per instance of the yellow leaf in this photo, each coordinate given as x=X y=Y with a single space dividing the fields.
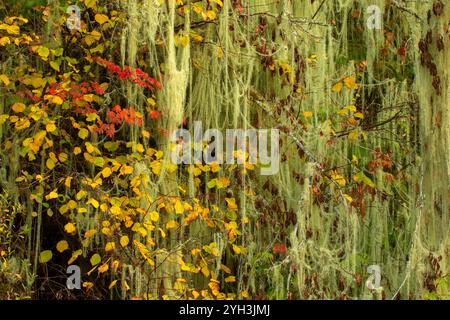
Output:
x=353 y=135
x=75 y=256
x=338 y=178
x=52 y=195
x=124 y=241
x=63 y=209
x=350 y=83
x=210 y=15
x=90 y=233
x=50 y=164
x=113 y=283
x=171 y=224
x=101 y=18
x=125 y=285
x=18 y=107
x=107 y=231
x=63 y=157
x=52 y=156
x=154 y=216
x=103 y=268
x=140 y=148
x=90 y=3
x=231 y=203
x=87 y=285
x=57 y=100
x=145 y=134
x=89 y=147
x=50 y=127
x=126 y=169
x=230 y=279
x=15 y=30
x=343 y=112
x=93 y=202
x=237 y=249
x=4 y=78
x=92 y=37
x=348 y=198
x=72 y=204
x=68 y=181
x=81 y=194
x=196 y=37
x=182 y=40
x=337 y=87
x=23 y=123
x=115 y=210
x=215 y=167
x=351 y=107
x=106 y=172
x=62 y=246
x=115 y=265
x=179 y=209
x=110 y=246
x=223 y=182
x=81 y=210
x=225 y=268
x=4 y=41
x=70 y=228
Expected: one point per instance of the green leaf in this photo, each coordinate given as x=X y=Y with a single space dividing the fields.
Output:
x=58 y=52
x=90 y=3
x=45 y=256
x=111 y=146
x=95 y=259
x=43 y=52
x=92 y=117
x=55 y=65
x=361 y=177
x=212 y=183
x=83 y=133
x=99 y=162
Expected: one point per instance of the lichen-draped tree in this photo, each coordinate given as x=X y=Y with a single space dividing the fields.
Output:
x=242 y=86
x=429 y=257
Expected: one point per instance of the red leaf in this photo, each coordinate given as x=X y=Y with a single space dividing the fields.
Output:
x=279 y=248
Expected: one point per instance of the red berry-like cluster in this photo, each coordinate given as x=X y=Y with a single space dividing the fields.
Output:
x=118 y=115
x=75 y=93
x=136 y=75
x=107 y=128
